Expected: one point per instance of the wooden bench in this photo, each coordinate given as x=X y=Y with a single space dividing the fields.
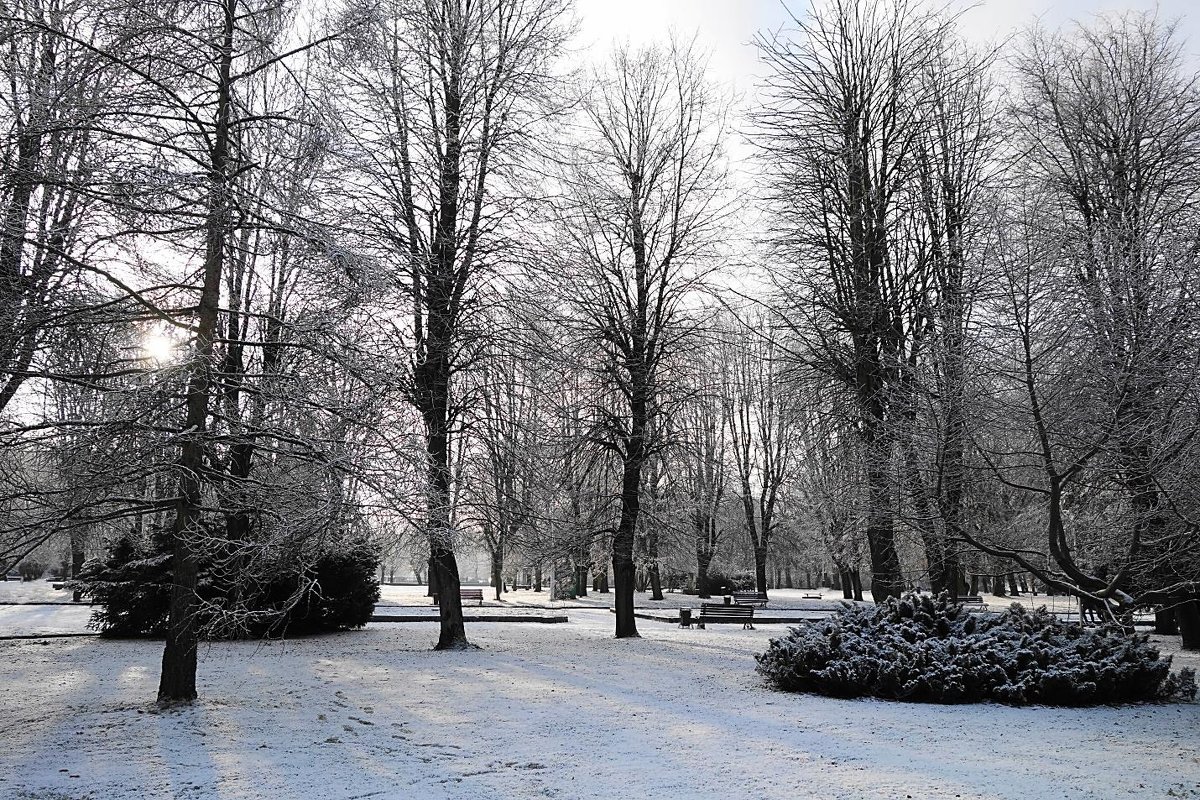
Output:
x=465 y=595
x=756 y=599
x=719 y=612
x=972 y=600
x=810 y=597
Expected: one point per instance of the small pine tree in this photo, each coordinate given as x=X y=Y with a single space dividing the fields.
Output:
x=131 y=587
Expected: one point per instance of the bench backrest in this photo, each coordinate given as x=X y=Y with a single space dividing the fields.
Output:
x=720 y=609
x=470 y=593
x=750 y=595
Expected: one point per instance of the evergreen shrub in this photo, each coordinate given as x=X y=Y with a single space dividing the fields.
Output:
x=131 y=588
x=932 y=650
x=720 y=583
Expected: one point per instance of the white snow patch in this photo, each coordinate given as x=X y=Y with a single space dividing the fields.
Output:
x=540 y=711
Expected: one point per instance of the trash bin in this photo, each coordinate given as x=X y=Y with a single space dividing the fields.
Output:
x=685 y=618
x=728 y=599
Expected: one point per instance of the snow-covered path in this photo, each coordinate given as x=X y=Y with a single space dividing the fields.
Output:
x=540 y=711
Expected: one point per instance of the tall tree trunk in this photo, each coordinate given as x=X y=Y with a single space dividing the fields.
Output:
x=177 y=683
x=444 y=566
x=634 y=456
x=624 y=573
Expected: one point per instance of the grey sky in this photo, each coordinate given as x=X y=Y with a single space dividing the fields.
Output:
x=725 y=27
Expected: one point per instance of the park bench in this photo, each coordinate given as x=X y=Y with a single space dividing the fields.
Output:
x=972 y=601
x=465 y=595
x=756 y=599
x=719 y=612
x=810 y=597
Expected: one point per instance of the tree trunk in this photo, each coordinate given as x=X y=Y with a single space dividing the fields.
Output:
x=537 y=578
x=498 y=573
x=624 y=572
x=77 y=558
x=923 y=516
x=177 y=683
x=1012 y=585
x=881 y=540
x=655 y=582
x=1165 y=623
x=1188 y=616
x=581 y=580
x=704 y=557
x=760 y=565
x=856 y=581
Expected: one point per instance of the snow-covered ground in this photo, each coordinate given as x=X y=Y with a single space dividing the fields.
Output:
x=39 y=591
x=540 y=711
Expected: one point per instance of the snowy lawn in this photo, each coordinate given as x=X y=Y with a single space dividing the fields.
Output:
x=540 y=711
x=39 y=591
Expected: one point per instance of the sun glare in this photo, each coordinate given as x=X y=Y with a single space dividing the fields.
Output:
x=158 y=348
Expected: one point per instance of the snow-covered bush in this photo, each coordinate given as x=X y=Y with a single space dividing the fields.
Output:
x=922 y=649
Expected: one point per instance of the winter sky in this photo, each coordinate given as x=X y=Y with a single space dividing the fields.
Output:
x=725 y=28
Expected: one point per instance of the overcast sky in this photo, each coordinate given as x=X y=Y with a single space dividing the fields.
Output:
x=726 y=27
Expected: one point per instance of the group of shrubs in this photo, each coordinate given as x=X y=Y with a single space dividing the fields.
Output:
x=131 y=587
x=716 y=582
x=924 y=649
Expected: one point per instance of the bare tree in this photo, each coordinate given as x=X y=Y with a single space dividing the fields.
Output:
x=641 y=208
x=955 y=173
x=701 y=458
x=840 y=130
x=1099 y=262
x=52 y=145
x=760 y=411
x=437 y=100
